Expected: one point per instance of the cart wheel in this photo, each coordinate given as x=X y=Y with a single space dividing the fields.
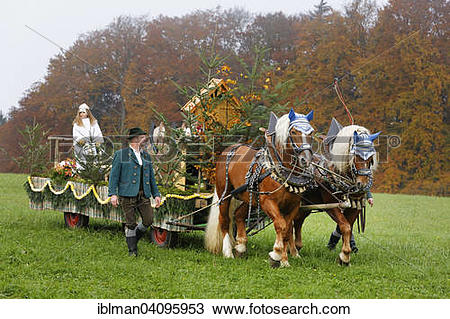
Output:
x=163 y=238
x=74 y=220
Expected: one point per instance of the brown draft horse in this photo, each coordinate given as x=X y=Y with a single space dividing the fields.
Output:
x=354 y=157
x=289 y=151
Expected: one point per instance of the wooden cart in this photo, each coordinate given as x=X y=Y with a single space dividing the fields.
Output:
x=79 y=202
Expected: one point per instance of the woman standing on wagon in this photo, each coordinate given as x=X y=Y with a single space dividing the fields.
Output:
x=86 y=134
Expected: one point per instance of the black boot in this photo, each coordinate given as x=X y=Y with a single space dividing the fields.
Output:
x=353 y=245
x=132 y=246
x=333 y=241
x=139 y=235
x=140 y=231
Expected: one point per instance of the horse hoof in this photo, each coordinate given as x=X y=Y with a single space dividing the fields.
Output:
x=354 y=249
x=274 y=263
x=285 y=264
x=240 y=255
x=341 y=262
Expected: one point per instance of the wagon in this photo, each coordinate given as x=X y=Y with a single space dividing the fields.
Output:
x=79 y=202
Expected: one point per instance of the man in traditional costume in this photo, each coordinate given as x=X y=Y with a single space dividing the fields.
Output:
x=132 y=182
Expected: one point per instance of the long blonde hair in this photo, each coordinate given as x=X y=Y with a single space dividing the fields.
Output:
x=79 y=122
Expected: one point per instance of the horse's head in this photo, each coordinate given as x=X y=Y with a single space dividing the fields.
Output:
x=363 y=159
x=293 y=134
x=353 y=155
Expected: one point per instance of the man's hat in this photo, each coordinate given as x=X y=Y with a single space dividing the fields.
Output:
x=135 y=131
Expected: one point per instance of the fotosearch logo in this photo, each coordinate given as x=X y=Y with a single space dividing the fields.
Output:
x=203 y=149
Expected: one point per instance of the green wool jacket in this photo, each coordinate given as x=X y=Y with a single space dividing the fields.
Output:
x=126 y=172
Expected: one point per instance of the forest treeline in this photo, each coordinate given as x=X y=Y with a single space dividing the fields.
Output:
x=392 y=64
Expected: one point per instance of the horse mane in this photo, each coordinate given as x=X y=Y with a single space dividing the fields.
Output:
x=340 y=149
x=282 y=131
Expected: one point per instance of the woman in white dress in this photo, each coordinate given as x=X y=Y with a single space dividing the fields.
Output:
x=159 y=133
x=86 y=134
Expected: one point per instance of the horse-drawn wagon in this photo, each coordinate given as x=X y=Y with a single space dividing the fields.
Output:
x=180 y=213
x=280 y=182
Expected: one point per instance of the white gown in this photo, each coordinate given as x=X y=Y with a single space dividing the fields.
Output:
x=90 y=134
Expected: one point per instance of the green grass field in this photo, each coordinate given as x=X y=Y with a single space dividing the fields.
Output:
x=403 y=254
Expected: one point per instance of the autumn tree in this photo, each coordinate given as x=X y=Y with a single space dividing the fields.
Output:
x=391 y=64
x=406 y=90
x=3 y=118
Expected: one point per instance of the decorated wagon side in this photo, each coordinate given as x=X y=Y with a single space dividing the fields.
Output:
x=80 y=201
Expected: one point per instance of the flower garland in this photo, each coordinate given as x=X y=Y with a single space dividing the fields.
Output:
x=98 y=198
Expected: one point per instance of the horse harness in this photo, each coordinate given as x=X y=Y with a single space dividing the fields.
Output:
x=272 y=166
x=341 y=189
x=293 y=180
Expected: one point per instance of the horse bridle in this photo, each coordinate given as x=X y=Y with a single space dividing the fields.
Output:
x=305 y=146
x=367 y=151
x=362 y=172
x=275 y=161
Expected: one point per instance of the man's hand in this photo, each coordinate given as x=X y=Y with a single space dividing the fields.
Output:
x=370 y=200
x=114 y=200
x=81 y=142
x=157 y=201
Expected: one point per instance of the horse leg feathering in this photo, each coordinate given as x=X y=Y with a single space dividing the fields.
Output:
x=346 y=231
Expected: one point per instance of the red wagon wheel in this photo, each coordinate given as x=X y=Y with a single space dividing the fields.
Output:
x=74 y=220
x=162 y=237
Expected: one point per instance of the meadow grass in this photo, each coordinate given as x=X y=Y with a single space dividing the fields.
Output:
x=403 y=254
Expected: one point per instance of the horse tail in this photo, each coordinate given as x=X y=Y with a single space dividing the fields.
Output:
x=213 y=233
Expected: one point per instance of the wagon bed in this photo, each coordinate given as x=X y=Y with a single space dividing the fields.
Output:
x=80 y=201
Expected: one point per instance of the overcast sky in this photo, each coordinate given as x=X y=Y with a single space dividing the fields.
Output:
x=24 y=56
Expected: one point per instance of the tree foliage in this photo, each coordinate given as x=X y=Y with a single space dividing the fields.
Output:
x=3 y=118
x=33 y=157
x=391 y=62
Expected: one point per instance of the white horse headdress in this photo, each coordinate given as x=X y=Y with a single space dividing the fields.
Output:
x=281 y=126
x=301 y=122
x=363 y=145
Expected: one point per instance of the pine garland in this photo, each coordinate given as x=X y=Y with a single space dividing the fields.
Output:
x=62 y=200
x=173 y=205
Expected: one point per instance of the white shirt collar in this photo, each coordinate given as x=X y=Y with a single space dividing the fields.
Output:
x=138 y=155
